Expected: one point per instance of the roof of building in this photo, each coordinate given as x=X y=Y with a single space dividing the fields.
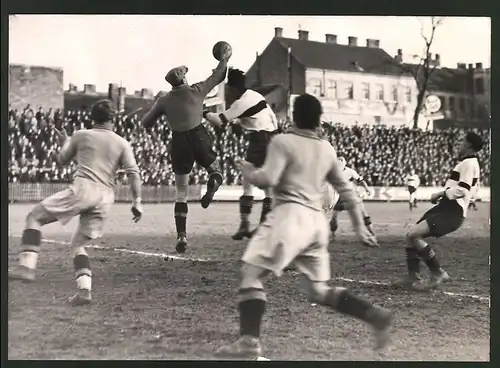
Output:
x=447 y=79
x=333 y=56
x=265 y=90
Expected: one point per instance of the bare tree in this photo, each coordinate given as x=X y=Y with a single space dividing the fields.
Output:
x=422 y=71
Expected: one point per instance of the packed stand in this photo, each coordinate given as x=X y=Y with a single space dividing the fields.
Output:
x=382 y=155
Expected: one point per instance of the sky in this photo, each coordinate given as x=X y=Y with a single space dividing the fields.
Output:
x=136 y=51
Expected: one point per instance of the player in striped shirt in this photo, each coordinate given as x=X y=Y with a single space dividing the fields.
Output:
x=99 y=153
x=444 y=218
x=352 y=176
x=412 y=182
x=252 y=113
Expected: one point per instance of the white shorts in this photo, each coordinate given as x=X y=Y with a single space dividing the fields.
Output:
x=292 y=234
x=85 y=198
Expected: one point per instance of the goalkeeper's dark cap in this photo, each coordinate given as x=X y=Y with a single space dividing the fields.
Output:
x=236 y=78
x=307 y=111
x=102 y=111
x=475 y=141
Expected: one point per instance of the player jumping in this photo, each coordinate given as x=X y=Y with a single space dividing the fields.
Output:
x=412 y=181
x=191 y=142
x=99 y=153
x=444 y=218
x=352 y=176
x=296 y=230
x=254 y=115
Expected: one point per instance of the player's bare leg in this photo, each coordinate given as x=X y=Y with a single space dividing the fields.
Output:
x=30 y=244
x=251 y=305
x=181 y=211
x=334 y=225
x=83 y=271
x=417 y=249
x=410 y=202
x=214 y=181
x=341 y=300
x=367 y=219
x=246 y=204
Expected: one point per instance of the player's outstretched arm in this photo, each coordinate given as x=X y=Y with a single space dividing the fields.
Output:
x=217 y=77
x=236 y=110
x=130 y=167
x=156 y=111
x=68 y=150
x=346 y=190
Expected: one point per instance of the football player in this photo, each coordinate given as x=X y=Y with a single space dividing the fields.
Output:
x=98 y=152
x=191 y=142
x=251 y=111
x=296 y=230
x=412 y=182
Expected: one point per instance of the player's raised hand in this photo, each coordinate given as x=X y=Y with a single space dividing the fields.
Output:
x=366 y=238
x=136 y=210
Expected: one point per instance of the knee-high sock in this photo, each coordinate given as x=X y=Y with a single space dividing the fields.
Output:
x=30 y=248
x=180 y=213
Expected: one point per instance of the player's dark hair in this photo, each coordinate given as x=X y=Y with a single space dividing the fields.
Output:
x=475 y=141
x=307 y=111
x=236 y=78
x=102 y=111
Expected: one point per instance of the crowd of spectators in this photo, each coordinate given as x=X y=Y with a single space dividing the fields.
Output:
x=382 y=155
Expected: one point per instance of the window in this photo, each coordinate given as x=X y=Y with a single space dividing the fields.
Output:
x=451 y=103
x=314 y=86
x=379 y=92
x=479 y=82
x=395 y=93
x=349 y=90
x=365 y=88
x=441 y=98
x=408 y=94
x=331 y=89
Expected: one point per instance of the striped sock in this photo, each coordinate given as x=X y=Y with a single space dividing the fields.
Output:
x=266 y=208
x=246 y=204
x=83 y=273
x=30 y=248
x=412 y=260
x=430 y=259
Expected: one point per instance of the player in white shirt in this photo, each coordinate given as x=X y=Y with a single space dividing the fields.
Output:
x=352 y=176
x=251 y=112
x=444 y=218
x=412 y=182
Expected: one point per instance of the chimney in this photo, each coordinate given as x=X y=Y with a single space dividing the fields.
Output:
x=113 y=92
x=330 y=38
x=471 y=66
x=89 y=88
x=479 y=66
x=278 y=32
x=461 y=66
x=122 y=93
x=72 y=88
x=353 y=41
x=399 y=56
x=377 y=43
x=146 y=93
x=371 y=43
x=303 y=35
x=437 y=60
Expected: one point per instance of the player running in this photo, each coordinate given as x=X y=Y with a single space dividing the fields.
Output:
x=444 y=218
x=296 y=230
x=254 y=115
x=99 y=153
x=352 y=176
x=412 y=182
x=191 y=142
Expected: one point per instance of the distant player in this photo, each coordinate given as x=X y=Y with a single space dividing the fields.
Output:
x=191 y=142
x=444 y=218
x=352 y=176
x=99 y=153
x=254 y=115
x=296 y=230
x=412 y=182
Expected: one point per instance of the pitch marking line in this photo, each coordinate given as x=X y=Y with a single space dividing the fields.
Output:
x=173 y=257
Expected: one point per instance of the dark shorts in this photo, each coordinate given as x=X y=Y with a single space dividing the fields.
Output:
x=411 y=189
x=192 y=146
x=257 y=146
x=340 y=205
x=444 y=218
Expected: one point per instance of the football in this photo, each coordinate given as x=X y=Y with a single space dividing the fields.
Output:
x=219 y=48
